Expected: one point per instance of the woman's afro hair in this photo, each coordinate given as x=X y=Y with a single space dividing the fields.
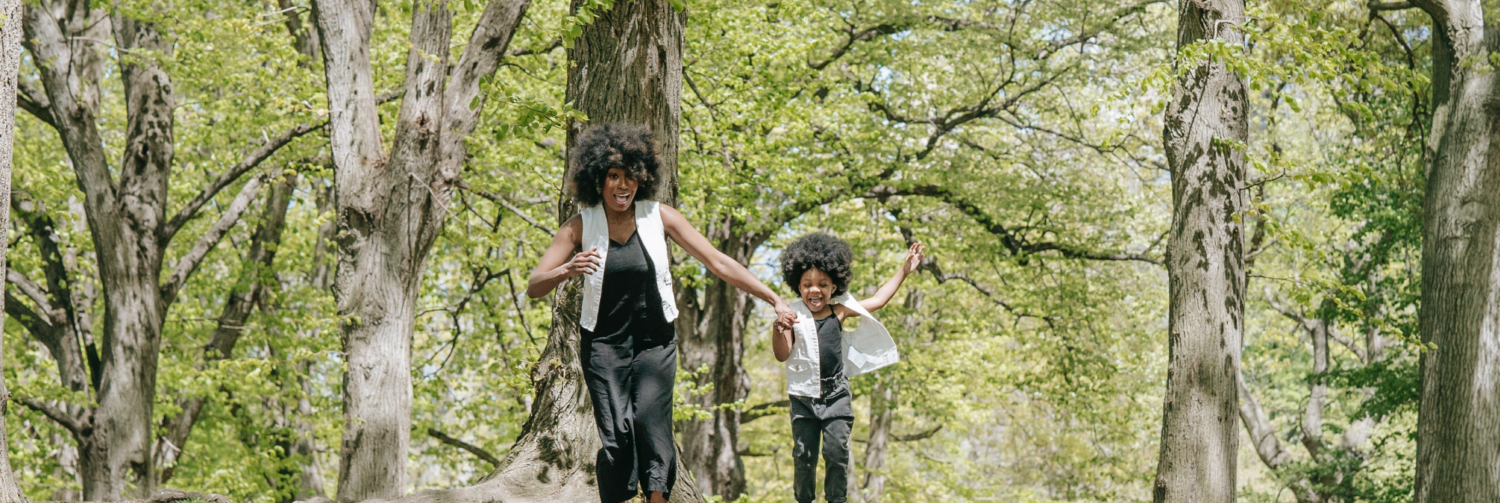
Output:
x=822 y=252
x=630 y=148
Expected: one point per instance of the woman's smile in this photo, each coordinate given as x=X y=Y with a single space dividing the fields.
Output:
x=619 y=189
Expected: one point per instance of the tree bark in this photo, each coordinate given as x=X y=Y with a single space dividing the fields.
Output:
x=1206 y=130
x=1458 y=446
x=10 y=65
x=390 y=210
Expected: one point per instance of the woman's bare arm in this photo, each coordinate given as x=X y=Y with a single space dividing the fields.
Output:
x=555 y=266
x=721 y=265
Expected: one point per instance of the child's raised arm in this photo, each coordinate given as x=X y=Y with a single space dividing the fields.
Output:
x=888 y=290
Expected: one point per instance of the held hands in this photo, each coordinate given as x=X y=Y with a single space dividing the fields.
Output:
x=913 y=258
x=582 y=263
x=785 y=316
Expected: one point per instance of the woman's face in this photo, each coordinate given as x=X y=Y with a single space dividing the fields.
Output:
x=816 y=287
x=619 y=190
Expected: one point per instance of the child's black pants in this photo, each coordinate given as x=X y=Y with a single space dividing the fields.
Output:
x=827 y=419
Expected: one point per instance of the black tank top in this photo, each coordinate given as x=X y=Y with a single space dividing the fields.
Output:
x=830 y=347
x=629 y=304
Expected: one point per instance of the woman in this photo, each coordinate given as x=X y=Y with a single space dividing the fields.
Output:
x=629 y=349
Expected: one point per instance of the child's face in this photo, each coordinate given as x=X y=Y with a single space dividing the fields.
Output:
x=816 y=288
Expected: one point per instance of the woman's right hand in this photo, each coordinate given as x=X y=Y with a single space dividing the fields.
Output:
x=582 y=263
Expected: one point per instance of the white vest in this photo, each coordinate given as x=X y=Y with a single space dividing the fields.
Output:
x=867 y=348
x=653 y=237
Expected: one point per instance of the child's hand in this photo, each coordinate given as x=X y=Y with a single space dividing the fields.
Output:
x=913 y=258
x=785 y=316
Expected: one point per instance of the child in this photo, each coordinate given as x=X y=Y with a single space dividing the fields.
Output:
x=820 y=357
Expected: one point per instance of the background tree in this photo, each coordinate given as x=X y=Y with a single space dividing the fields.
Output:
x=391 y=207
x=1206 y=134
x=10 y=66
x=1328 y=386
x=812 y=103
x=1460 y=314
x=124 y=200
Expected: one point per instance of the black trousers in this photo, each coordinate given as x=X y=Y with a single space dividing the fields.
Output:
x=829 y=419
x=630 y=381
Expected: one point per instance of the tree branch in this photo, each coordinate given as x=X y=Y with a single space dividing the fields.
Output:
x=1338 y=336
x=1377 y=5
x=1312 y=414
x=1258 y=426
x=910 y=438
x=253 y=159
x=70 y=80
x=1267 y=446
x=551 y=46
x=37 y=325
x=917 y=436
x=210 y=239
x=58 y=310
x=1018 y=245
x=303 y=37
x=462 y=99
x=35 y=103
x=473 y=449
x=505 y=203
x=853 y=37
x=257 y=262
x=57 y=415
x=764 y=410
x=32 y=290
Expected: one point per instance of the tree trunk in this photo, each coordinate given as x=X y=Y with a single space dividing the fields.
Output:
x=716 y=338
x=391 y=209
x=882 y=412
x=10 y=64
x=1458 y=446
x=1206 y=130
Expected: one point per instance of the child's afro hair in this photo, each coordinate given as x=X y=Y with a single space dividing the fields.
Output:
x=630 y=148
x=822 y=252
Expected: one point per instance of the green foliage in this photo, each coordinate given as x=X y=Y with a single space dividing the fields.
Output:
x=984 y=129
x=1338 y=204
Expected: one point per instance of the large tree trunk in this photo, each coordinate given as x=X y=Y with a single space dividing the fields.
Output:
x=390 y=210
x=713 y=335
x=1206 y=130
x=1458 y=444
x=10 y=64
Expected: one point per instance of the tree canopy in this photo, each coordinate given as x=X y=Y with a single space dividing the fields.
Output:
x=1022 y=142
